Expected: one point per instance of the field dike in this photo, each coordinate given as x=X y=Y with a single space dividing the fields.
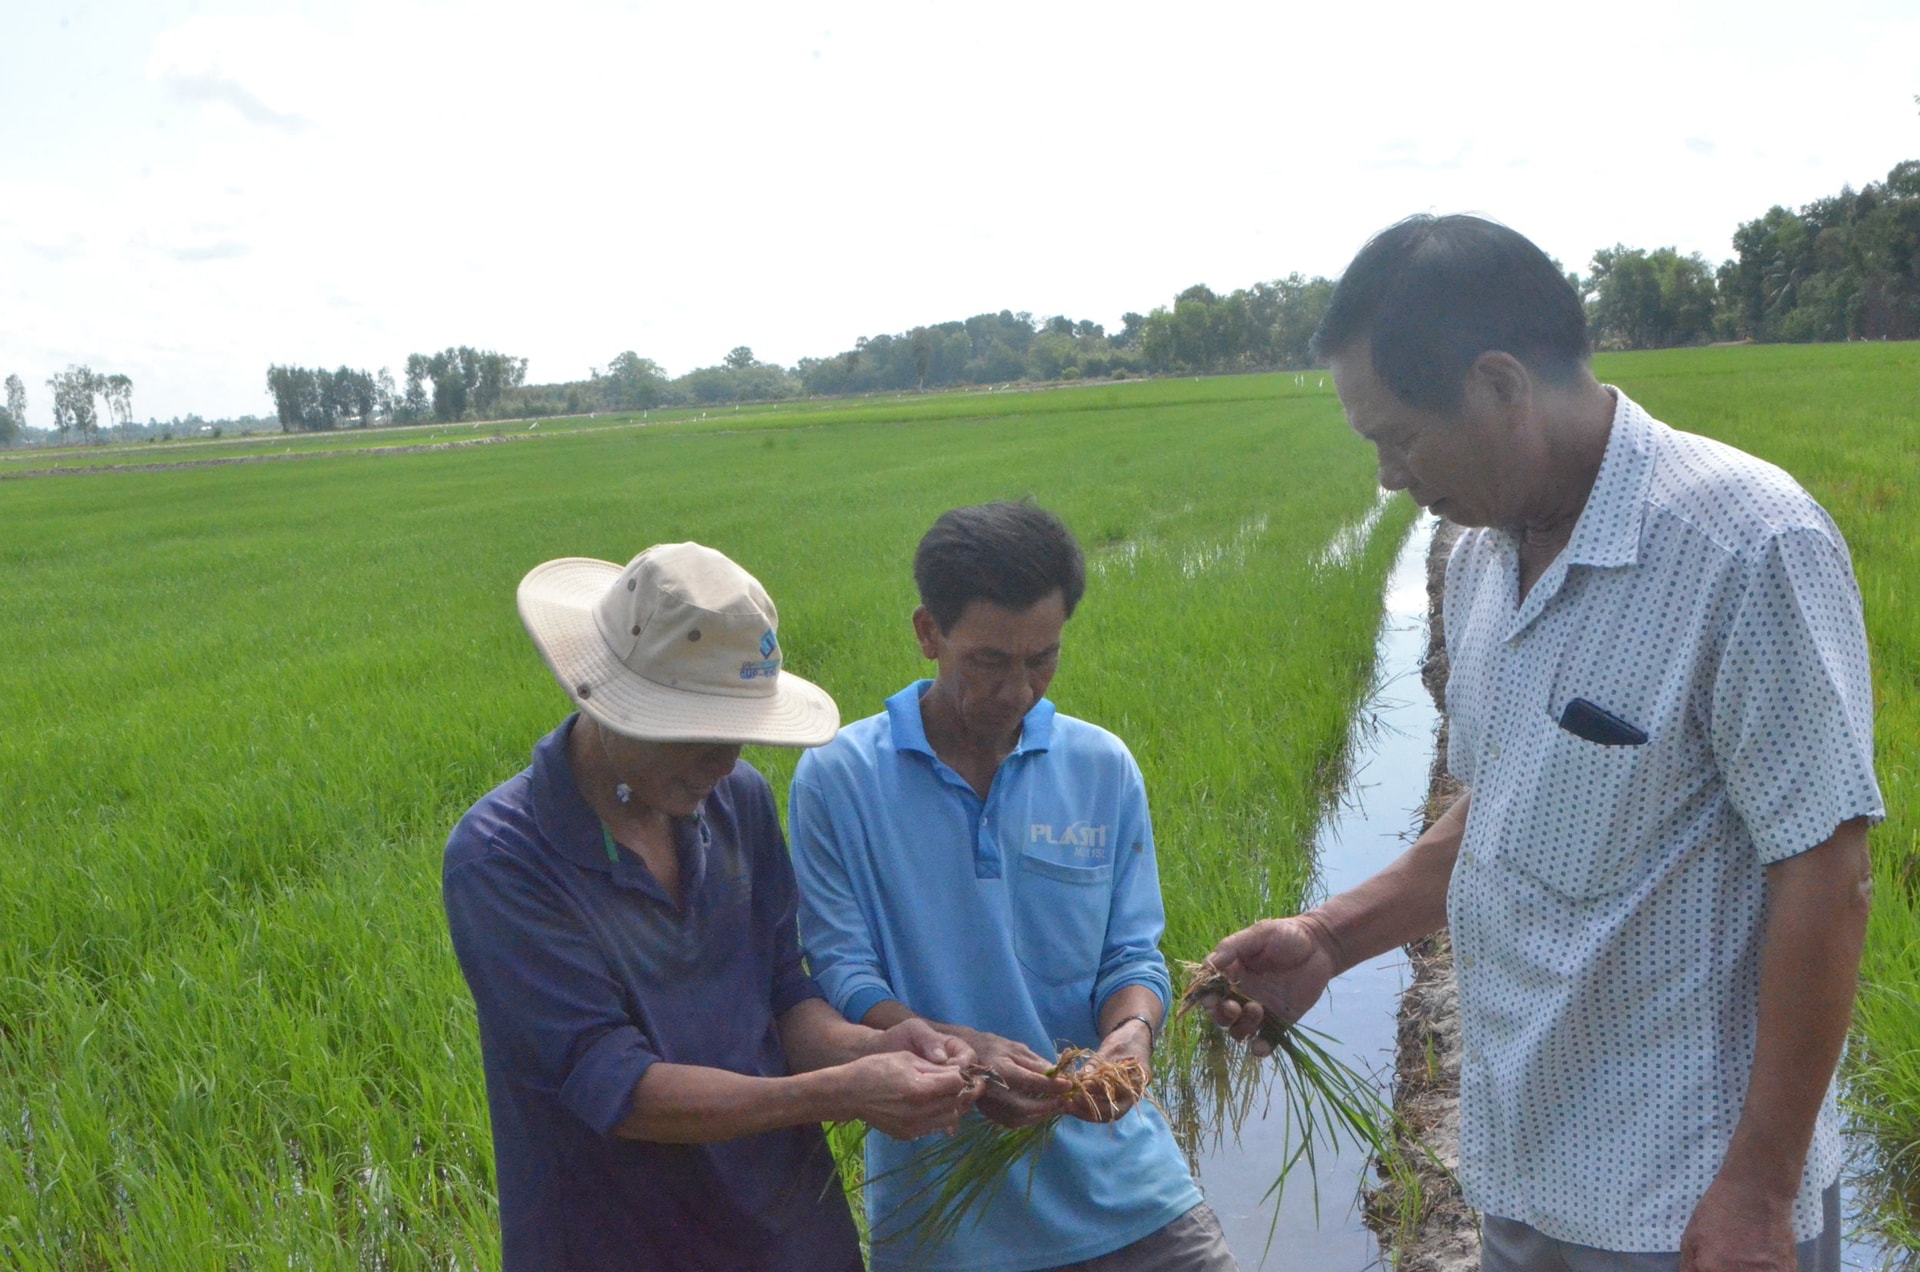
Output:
x=1426 y=1088
x=221 y=461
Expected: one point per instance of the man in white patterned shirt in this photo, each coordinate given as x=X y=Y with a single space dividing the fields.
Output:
x=1657 y=881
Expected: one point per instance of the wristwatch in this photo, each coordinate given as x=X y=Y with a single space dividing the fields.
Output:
x=1153 y=1035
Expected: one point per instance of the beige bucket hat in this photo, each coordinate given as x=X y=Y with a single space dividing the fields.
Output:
x=680 y=646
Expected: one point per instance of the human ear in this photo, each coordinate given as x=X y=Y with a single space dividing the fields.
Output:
x=1502 y=382
x=927 y=631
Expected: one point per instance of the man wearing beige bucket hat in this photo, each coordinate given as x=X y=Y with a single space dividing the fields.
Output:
x=658 y=1061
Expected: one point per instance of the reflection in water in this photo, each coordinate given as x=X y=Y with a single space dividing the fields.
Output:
x=1208 y=1087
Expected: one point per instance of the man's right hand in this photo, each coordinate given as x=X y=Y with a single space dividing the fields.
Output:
x=900 y=1094
x=1030 y=1096
x=1283 y=965
x=1019 y=1094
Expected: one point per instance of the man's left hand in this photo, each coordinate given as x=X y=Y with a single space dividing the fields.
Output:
x=1736 y=1228
x=1128 y=1040
x=916 y=1036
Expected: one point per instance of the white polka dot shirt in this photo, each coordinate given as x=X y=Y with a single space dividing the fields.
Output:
x=1608 y=902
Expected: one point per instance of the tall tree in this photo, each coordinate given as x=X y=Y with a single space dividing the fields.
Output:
x=73 y=406
x=634 y=383
x=447 y=369
x=1649 y=300
x=1842 y=267
x=494 y=374
x=383 y=399
x=462 y=377
x=419 y=370
x=117 y=389
x=311 y=399
x=16 y=410
x=297 y=398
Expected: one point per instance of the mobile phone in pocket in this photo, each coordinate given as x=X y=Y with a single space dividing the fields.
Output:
x=1595 y=723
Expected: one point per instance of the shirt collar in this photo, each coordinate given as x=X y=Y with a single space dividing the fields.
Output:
x=571 y=828
x=1608 y=531
x=566 y=822
x=910 y=730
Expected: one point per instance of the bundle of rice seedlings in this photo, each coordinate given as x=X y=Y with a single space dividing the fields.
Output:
x=1208 y=1087
x=1325 y=1101
x=961 y=1173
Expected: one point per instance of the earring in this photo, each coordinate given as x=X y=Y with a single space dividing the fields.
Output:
x=623 y=793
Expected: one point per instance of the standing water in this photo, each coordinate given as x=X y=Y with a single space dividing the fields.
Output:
x=1391 y=755
x=1391 y=750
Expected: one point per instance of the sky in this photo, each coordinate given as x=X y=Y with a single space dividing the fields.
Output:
x=191 y=190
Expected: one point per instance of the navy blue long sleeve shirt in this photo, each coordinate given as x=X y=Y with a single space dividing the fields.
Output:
x=585 y=973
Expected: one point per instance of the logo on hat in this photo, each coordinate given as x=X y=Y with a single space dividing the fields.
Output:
x=768 y=644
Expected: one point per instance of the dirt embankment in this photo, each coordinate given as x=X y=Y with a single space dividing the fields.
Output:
x=221 y=461
x=1426 y=1089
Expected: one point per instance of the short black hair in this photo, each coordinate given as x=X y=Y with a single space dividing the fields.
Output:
x=1432 y=293
x=1014 y=555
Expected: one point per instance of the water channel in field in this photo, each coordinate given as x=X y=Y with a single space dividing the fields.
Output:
x=1374 y=821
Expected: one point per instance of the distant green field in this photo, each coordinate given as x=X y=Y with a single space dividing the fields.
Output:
x=244 y=704
x=888 y=407
x=1845 y=420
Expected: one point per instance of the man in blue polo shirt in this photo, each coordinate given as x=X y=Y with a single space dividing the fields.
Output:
x=658 y=1063
x=971 y=857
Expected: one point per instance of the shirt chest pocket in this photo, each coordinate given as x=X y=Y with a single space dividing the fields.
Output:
x=1586 y=828
x=1060 y=918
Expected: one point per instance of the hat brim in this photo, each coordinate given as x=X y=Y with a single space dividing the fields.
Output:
x=557 y=600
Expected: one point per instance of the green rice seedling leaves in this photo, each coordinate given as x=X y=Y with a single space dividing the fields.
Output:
x=959 y=1174
x=1324 y=1102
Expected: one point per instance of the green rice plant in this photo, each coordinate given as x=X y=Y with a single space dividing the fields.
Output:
x=1324 y=1102
x=959 y=1174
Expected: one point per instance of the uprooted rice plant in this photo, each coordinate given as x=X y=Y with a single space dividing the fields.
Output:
x=949 y=1182
x=1323 y=1101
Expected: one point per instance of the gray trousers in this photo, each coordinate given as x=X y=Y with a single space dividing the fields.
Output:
x=1510 y=1246
x=1191 y=1243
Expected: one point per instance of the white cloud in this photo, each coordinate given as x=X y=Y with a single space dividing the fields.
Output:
x=212 y=87
x=351 y=183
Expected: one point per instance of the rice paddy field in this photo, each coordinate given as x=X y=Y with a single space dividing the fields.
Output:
x=243 y=704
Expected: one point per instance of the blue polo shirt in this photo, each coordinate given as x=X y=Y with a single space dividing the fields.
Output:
x=1018 y=914
x=584 y=973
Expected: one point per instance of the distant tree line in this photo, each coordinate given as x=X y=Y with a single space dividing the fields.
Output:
x=312 y=399
x=1840 y=268
x=445 y=386
x=1845 y=267
x=1265 y=326
x=77 y=394
x=459 y=380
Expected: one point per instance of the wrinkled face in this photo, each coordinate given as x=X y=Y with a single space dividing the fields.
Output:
x=1448 y=462
x=995 y=663
x=673 y=777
